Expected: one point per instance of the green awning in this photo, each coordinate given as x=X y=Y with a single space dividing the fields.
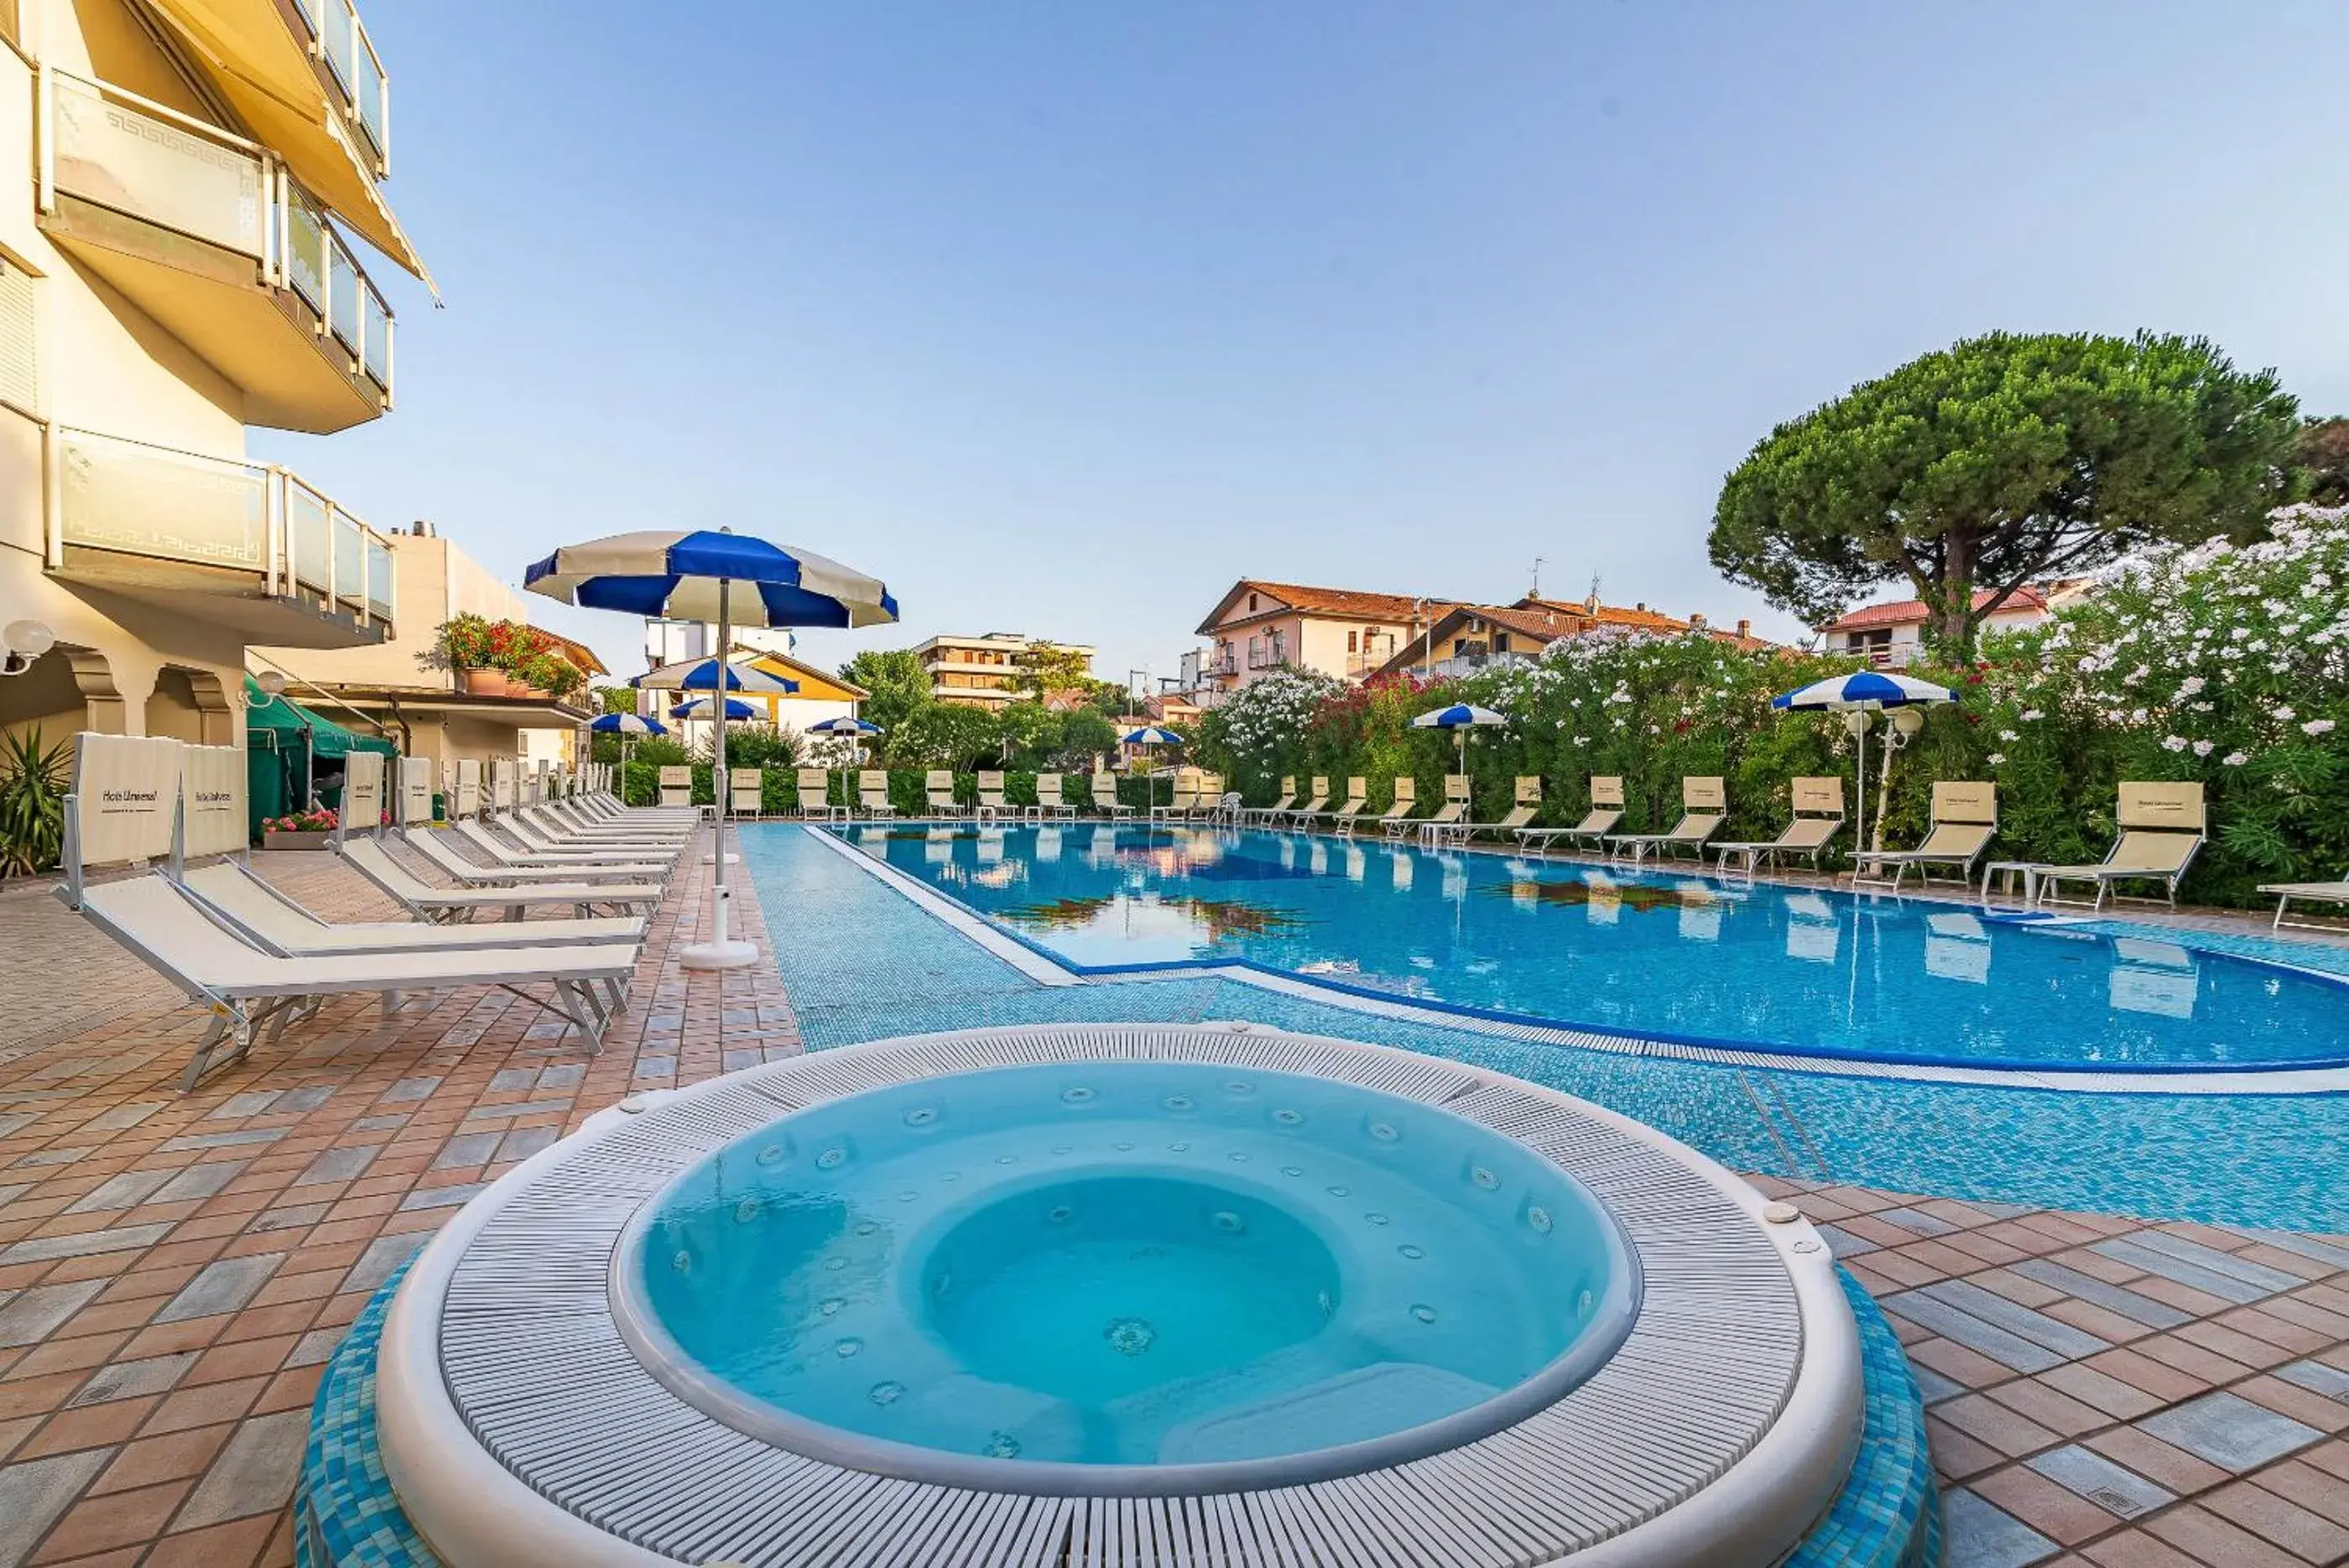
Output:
x=279 y=726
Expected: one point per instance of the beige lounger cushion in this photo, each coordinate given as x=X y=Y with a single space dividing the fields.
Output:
x=160 y=919
x=226 y=888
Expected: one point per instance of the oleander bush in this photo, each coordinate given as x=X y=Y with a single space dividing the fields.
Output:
x=2216 y=663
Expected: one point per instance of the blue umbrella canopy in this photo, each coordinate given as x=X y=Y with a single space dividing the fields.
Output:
x=1864 y=689
x=1152 y=735
x=626 y=724
x=662 y=572
x=699 y=708
x=1457 y=716
x=843 y=726
x=737 y=676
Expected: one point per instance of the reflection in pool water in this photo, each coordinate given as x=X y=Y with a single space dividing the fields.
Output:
x=1665 y=954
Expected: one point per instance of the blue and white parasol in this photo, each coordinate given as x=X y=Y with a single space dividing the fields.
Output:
x=683 y=576
x=699 y=708
x=1460 y=717
x=1859 y=694
x=626 y=724
x=1864 y=689
x=1151 y=735
x=849 y=725
x=693 y=575
x=738 y=676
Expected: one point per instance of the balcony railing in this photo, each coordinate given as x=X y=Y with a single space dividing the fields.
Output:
x=136 y=499
x=340 y=39
x=145 y=160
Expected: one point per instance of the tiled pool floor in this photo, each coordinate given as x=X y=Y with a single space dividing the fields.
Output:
x=174 y=1272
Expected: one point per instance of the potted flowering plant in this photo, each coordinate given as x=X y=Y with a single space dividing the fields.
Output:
x=466 y=645
x=309 y=830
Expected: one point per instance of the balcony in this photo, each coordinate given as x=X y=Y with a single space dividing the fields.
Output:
x=352 y=72
x=208 y=234
x=243 y=544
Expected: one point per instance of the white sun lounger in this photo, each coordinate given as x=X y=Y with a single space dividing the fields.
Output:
x=1704 y=807
x=248 y=990
x=1105 y=799
x=1317 y=800
x=939 y=786
x=1818 y=817
x=1396 y=819
x=1051 y=800
x=2307 y=893
x=993 y=805
x=485 y=837
x=2162 y=828
x=425 y=901
x=546 y=824
x=267 y=916
x=1606 y=811
x=511 y=866
x=1525 y=790
x=1453 y=810
x=1343 y=821
x=533 y=837
x=1287 y=798
x=1964 y=820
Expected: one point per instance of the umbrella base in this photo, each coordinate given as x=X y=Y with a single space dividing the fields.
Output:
x=719 y=955
x=731 y=859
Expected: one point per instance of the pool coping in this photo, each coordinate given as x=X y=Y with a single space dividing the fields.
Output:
x=1037 y=963
x=1775 y=1482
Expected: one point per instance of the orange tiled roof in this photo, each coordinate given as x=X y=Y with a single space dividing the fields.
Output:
x=1352 y=604
x=1900 y=612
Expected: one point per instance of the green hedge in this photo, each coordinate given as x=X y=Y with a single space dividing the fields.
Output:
x=908 y=789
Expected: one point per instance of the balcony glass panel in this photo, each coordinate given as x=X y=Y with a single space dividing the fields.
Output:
x=148 y=500
x=350 y=561
x=378 y=579
x=344 y=286
x=307 y=243
x=314 y=14
x=375 y=353
x=342 y=43
x=309 y=538
x=372 y=89
x=111 y=154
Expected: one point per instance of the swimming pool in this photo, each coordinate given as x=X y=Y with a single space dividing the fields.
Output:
x=1040 y=1278
x=1662 y=955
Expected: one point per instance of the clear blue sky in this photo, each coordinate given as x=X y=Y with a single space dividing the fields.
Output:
x=1060 y=316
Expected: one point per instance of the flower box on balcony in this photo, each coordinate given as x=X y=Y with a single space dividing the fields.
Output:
x=487 y=683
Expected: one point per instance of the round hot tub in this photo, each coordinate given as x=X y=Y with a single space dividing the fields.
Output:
x=1133 y=1294
x=1124 y=1277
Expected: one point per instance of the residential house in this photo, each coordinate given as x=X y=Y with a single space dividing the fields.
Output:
x=179 y=264
x=821 y=695
x=390 y=686
x=1891 y=636
x=1258 y=627
x=1470 y=637
x=980 y=671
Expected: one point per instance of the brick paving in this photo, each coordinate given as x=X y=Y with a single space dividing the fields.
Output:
x=174 y=1271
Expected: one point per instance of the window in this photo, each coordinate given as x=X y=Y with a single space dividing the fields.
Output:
x=1500 y=642
x=20 y=378
x=1351 y=647
x=1251 y=604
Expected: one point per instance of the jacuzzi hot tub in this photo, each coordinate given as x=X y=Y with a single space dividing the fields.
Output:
x=1124 y=1294
x=1119 y=1277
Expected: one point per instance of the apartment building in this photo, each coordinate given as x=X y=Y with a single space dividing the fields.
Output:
x=181 y=263
x=980 y=671
x=1467 y=637
x=392 y=688
x=1258 y=627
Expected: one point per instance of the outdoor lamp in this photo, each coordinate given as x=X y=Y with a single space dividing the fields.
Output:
x=1858 y=721
x=21 y=643
x=1907 y=721
x=270 y=684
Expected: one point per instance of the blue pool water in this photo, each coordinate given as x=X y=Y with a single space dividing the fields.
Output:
x=1120 y=1264
x=1666 y=955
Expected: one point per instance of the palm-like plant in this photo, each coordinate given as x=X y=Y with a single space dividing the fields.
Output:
x=32 y=784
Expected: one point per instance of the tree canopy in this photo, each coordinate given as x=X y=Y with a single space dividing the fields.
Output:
x=2001 y=460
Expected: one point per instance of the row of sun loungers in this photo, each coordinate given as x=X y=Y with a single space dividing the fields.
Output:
x=168 y=821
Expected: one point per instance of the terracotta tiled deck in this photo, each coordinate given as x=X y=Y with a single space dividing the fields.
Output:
x=174 y=1271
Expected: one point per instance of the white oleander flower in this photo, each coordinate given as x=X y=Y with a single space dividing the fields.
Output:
x=2235 y=759
x=2173 y=742
x=1996 y=757
x=2316 y=727
x=2203 y=748
x=2286 y=715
